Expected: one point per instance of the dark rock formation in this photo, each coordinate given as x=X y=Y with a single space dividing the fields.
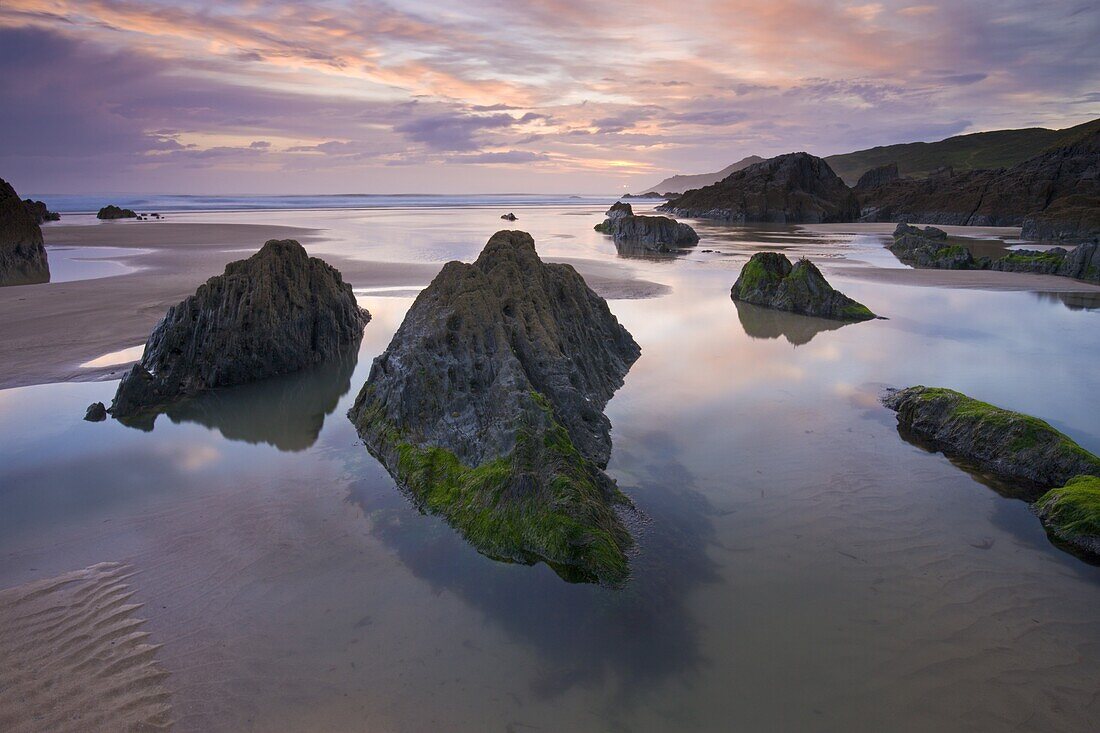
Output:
x=487 y=407
x=39 y=211
x=1072 y=513
x=1008 y=444
x=273 y=313
x=789 y=189
x=508 y=217
x=879 y=176
x=929 y=248
x=768 y=279
x=1054 y=194
x=22 y=254
x=652 y=233
x=110 y=211
x=96 y=412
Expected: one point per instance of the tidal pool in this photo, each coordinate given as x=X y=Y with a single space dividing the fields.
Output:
x=800 y=565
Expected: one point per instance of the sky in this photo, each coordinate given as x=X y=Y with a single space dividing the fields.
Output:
x=492 y=96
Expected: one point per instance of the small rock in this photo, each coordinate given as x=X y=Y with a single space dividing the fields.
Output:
x=96 y=412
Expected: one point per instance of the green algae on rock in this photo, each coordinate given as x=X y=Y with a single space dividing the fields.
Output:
x=1072 y=512
x=1005 y=443
x=768 y=279
x=487 y=408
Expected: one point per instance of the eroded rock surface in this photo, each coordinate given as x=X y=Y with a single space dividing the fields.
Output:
x=652 y=233
x=879 y=176
x=487 y=407
x=796 y=188
x=22 y=254
x=768 y=279
x=273 y=313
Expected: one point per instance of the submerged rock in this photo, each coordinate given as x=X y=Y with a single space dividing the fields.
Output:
x=96 y=412
x=22 y=254
x=652 y=233
x=110 y=211
x=487 y=407
x=796 y=188
x=768 y=279
x=40 y=212
x=273 y=313
x=508 y=217
x=1072 y=513
x=1001 y=442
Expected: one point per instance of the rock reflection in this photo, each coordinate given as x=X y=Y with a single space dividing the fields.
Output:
x=632 y=638
x=1074 y=301
x=287 y=411
x=768 y=323
x=635 y=251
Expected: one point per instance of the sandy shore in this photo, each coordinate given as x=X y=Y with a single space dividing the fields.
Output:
x=75 y=657
x=969 y=279
x=49 y=330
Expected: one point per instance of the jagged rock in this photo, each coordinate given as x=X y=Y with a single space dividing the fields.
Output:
x=879 y=176
x=929 y=248
x=1072 y=513
x=652 y=233
x=1065 y=180
x=96 y=412
x=788 y=189
x=487 y=407
x=768 y=279
x=1073 y=218
x=508 y=217
x=22 y=254
x=273 y=313
x=1008 y=444
x=39 y=211
x=110 y=211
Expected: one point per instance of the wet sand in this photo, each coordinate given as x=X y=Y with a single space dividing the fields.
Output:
x=49 y=330
x=75 y=657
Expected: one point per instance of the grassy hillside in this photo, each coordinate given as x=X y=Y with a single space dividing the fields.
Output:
x=998 y=149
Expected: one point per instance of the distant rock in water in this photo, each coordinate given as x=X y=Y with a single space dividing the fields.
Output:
x=40 y=212
x=508 y=217
x=487 y=407
x=653 y=233
x=1001 y=442
x=96 y=412
x=929 y=248
x=796 y=188
x=273 y=313
x=879 y=176
x=1043 y=465
x=110 y=211
x=22 y=254
x=768 y=279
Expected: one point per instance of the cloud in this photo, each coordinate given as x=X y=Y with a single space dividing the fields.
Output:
x=509 y=157
x=458 y=132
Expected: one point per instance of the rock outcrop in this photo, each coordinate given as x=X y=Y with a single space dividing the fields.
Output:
x=878 y=176
x=797 y=188
x=40 y=211
x=508 y=217
x=929 y=248
x=96 y=412
x=1072 y=513
x=653 y=233
x=1008 y=444
x=273 y=313
x=487 y=407
x=110 y=211
x=22 y=254
x=768 y=279
x=1054 y=195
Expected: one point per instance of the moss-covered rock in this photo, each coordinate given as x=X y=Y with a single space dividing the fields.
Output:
x=1072 y=512
x=1008 y=444
x=487 y=407
x=768 y=279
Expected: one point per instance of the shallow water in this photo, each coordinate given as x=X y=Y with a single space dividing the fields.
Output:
x=800 y=567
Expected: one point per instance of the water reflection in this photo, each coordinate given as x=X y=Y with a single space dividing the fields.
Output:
x=287 y=411
x=768 y=323
x=586 y=635
x=1073 y=301
x=635 y=251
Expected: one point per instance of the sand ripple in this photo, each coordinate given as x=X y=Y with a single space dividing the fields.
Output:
x=75 y=658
